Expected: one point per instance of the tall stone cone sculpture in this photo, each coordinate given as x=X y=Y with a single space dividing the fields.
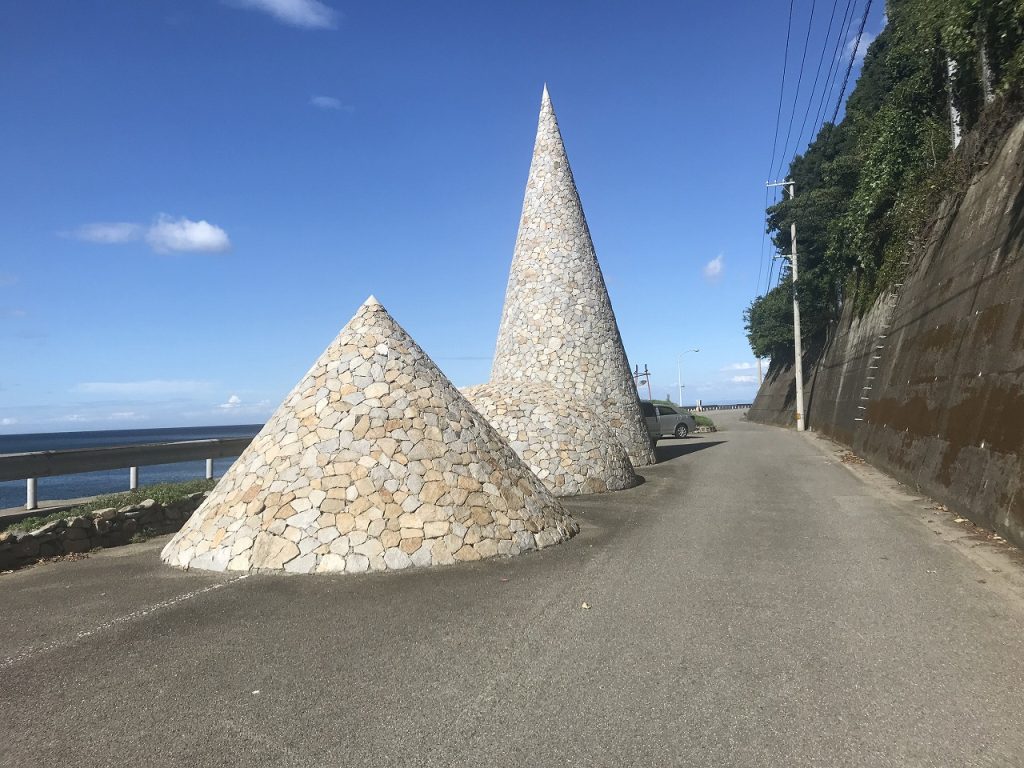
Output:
x=374 y=461
x=557 y=326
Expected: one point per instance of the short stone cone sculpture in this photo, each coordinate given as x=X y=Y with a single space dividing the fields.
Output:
x=373 y=462
x=557 y=327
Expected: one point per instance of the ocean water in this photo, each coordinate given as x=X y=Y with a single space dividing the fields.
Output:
x=12 y=494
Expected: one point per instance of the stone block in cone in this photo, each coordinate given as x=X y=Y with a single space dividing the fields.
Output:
x=374 y=461
x=562 y=440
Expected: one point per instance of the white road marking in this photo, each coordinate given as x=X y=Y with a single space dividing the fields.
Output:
x=32 y=651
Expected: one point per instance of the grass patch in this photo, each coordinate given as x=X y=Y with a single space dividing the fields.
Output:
x=703 y=421
x=163 y=493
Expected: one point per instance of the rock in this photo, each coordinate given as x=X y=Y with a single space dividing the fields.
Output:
x=467 y=553
x=396 y=559
x=26 y=546
x=331 y=563
x=486 y=548
x=356 y=563
x=213 y=560
x=421 y=557
x=8 y=560
x=304 y=564
x=51 y=527
x=107 y=513
x=271 y=551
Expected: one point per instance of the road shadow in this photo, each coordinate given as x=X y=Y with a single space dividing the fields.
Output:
x=670 y=451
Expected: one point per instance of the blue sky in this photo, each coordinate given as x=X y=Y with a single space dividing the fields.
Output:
x=199 y=194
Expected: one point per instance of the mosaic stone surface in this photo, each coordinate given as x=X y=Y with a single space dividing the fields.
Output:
x=374 y=461
x=557 y=327
x=562 y=440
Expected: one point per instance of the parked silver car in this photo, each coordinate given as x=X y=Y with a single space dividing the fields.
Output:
x=666 y=420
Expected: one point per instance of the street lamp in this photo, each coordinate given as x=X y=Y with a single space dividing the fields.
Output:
x=679 y=373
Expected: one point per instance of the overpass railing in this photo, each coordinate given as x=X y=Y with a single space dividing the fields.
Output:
x=31 y=466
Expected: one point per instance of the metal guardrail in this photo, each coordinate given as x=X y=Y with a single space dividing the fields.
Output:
x=31 y=466
x=702 y=407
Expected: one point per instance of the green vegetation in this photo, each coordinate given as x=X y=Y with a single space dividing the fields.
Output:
x=164 y=494
x=703 y=421
x=865 y=187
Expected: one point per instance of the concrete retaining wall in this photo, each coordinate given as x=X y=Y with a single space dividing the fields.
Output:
x=945 y=412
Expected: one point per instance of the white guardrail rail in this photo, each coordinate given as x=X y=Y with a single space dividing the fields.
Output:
x=31 y=466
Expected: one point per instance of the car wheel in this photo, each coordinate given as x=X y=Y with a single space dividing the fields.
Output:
x=681 y=430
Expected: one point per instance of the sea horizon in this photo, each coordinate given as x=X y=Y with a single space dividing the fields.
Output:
x=61 y=487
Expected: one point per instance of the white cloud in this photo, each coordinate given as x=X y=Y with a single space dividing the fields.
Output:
x=325 y=102
x=308 y=14
x=233 y=402
x=866 y=39
x=128 y=415
x=164 y=235
x=713 y=269
x=109 y=233
x=7 y=421
x=740 y=367
x=182 y=234
x=744 y=379
x=72 y=417
x=149 y=387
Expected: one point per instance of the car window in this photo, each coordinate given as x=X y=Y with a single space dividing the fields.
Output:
x=647 y=409
x=666 y=411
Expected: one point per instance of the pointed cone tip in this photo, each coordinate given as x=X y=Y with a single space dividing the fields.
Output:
x=545 y=99
x=371 y=301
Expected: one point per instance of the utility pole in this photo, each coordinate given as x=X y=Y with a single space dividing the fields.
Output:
x=760 y=378
x=679 y=372
x=798 y=363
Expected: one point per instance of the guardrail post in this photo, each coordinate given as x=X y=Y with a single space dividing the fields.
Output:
x=30 y=494
x=133 y=478
x=209 y=469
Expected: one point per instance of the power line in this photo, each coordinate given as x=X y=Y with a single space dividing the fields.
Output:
x=833 y=69
x=771 y=260
x=782 y=90
x=775 y=140
x=799 y=80
x=853 y=58
x=764 y=233
x=817 y=75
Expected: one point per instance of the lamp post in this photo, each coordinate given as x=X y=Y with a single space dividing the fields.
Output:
x=679 y=373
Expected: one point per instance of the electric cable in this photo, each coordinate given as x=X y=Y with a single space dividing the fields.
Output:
x=799 y=80
x=853 y=58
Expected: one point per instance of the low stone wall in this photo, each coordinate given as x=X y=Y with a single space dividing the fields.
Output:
x=102 y=528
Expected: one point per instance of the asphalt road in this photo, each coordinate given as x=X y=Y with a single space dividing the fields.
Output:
x=755 y=603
